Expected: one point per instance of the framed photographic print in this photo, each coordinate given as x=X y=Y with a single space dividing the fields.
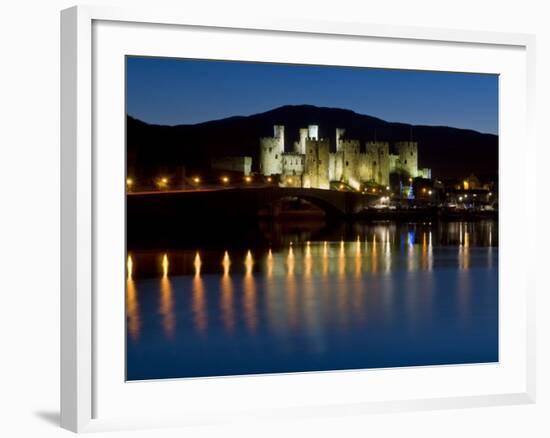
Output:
x=253 y=208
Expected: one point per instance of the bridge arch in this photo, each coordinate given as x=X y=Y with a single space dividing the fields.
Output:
x=325 y=201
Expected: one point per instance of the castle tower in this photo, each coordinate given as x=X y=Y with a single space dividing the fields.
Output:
x=316 y=165
x=379 y=154
x=408 y=157
x=349 y=150
x=301 y=145
x=313 y=132
x=271 y=152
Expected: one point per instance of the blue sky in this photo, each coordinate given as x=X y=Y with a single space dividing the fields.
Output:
x=171 y=91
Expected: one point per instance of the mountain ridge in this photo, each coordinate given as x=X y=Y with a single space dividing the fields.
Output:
x=450 y=152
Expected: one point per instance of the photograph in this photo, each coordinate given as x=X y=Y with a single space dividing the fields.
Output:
x=290 y=218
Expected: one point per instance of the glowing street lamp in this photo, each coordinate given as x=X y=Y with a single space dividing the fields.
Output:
x=289 y=180
x=341 y=186
x=430 y=192
x=196 y=180
x=129 y=182
x=268 y=179
x=225 y=179
x=162 y=182
x=247 y=179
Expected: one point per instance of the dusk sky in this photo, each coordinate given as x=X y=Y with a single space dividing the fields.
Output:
x=171 y=91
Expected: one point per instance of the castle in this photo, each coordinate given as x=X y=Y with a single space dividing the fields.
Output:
x=311 y=164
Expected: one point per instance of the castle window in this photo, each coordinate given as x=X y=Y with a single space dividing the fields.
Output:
x=411 y=153
x=374 y=163
x=270 y=150
x=276 y=156
x=347 y=163
x=405 y=161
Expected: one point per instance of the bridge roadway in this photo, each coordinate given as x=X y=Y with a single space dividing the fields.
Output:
x=244 y=200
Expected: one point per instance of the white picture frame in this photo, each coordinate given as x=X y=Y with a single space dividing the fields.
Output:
x=83 y=174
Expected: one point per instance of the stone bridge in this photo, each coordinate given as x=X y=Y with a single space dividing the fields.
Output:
x=241 y=201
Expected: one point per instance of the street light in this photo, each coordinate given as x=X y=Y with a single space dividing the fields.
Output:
x=196 y=180
x=247 y=179
x=268 y=179
x=341 y=186
x=225 y=179
x=429 y=192
x=129 y=182
x=162 y=182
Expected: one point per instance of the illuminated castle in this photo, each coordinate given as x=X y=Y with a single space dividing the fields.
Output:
x=312 y=165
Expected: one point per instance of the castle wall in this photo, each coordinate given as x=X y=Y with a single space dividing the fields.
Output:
x=381 y=162
x=234 y=164
x=365 y=167
x=425 y=173
x=316 y=165
x=394 y=163
x=293 y=164
x=336 y=163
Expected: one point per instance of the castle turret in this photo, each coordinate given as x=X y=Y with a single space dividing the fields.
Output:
x=339 y=135
x=313 y=132
x=301 y=144
x=279 y=133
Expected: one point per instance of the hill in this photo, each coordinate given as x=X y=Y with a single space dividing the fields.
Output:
x=449 y=152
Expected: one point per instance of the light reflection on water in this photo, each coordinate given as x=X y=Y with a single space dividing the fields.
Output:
x=394 y=296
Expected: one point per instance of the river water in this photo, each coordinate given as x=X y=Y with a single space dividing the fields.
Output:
x=314 y=298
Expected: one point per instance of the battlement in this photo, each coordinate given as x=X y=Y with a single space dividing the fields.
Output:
x=317 y=141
